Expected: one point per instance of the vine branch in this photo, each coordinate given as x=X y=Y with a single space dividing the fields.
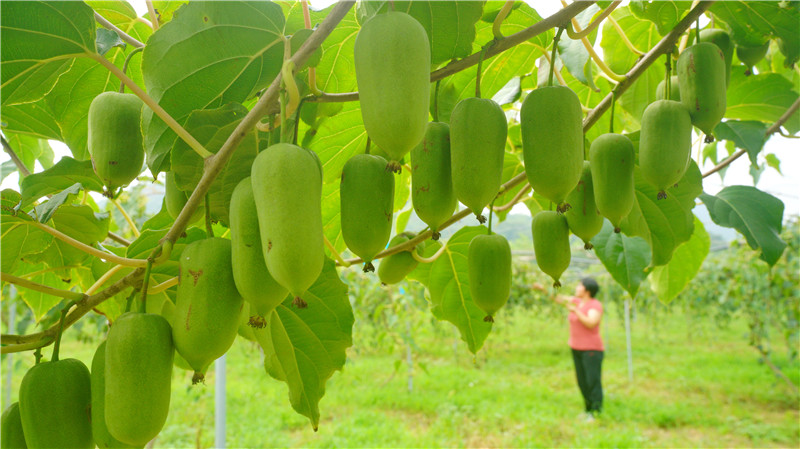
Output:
x=577 y=33
x=41 y=288
x=771 y=130
x=122 y=35
x=23 y=170
x=89 y=249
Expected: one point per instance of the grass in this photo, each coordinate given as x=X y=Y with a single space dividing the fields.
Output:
x=520 y=391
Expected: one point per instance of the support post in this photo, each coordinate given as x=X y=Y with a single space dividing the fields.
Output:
x=219 y=403
x=628 y=338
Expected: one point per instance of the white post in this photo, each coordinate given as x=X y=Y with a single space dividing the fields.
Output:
x=628 y=337
x=12 y=321
x=219 y=403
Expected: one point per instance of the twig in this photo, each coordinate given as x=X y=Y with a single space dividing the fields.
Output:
x=501 y=16
x=127 y=217
x=771 y=130
x=153 y=15
x=577 y=33
x=119 y=239
x=104 y=278
x=171 y=282
x=624 y=37
x=333 y=251
x=67 y=294
x=514 y=200
x=159 y=111
x=23 y=170
x=216 y=163
x=560 y=18
x=663 y=46
x=123 y=35
x=88 y=249
x=431 y=259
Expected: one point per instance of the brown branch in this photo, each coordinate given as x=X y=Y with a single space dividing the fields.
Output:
x=214 y=164
x=770 y=131
x=560 y=18
x=82 y=307
x=118 y=238
x=664 y=46
x=23 y=170
x=123 y=35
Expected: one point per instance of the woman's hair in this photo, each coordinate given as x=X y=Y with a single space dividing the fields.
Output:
x=591 y=286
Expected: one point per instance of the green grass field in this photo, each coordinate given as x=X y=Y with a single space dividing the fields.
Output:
x=520 y=391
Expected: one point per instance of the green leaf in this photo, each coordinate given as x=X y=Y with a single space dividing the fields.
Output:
x=44 y=212
x=191 y=64
x=32 y=119
x=774 y=162
x=644 y=35
x=756 y=214
x=665 y=14
x=753 y=23
x=402 y=190
x=624 y=257
x=764 y=97
x=574 y=54
x=448 y=284
x=512 y=166
x=450 y=26
x=39 y=40
x=64 y=174
x=212 y=128
x=667 y=281
x=40 y=303
x=107 y=39
x=748 y=135
x=28 y=148
x=509 y=93
x=303 y=347
x=332 y=217
x=6 y=168
x=338 y=138
x=19 y=239
x=665 y=223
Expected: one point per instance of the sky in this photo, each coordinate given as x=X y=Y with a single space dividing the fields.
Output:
x=786 y=186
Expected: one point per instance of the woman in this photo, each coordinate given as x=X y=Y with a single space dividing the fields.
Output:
x=584 y=339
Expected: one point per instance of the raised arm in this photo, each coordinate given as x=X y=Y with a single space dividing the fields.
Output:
x=561 y=299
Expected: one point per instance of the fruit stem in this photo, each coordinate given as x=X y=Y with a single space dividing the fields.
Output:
x=125 y=67
x=334 y=253
x=501 y=16
x=435 y=102
x=435 y=255
x=209 y=229
x=129 y=301
x=491 y=214
x=57 y=346
x=145 y=282
x=553 y=56
x=297 y=120
x=369 y=141
x=37 y=354
x=478 y=75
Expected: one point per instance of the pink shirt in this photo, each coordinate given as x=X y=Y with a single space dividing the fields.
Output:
x=581 y=337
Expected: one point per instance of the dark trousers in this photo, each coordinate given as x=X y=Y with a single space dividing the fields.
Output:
x=588 y=365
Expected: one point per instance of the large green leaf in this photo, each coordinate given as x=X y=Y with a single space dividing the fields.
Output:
x=624 y=257
x=29 y=149
x=303 y=347
x=667 y=281
x=210 y=54
x=574 y=54
x=643 y=35
x=753 y=23
x=18 y=237
x=332 y=216
x=665 y=14
x=212 y=128
x=447 y=281
x=40 y=303
x=764 y=97
x=664 y=223
x=338 y=138
x=33 y=119
x=39 y=41
x=65 y=173
x=748 y=135
x=756 y=214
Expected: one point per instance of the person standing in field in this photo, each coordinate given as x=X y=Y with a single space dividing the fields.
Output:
x=584 y=339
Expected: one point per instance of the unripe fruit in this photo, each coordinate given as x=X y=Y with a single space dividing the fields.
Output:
x=722 y=40
x=367 y=202
x=208 y=305
x=583 y=218
x=115 y=138
x=396 y=267
x=701 y=75
x=138 y=377
x=751 y=56
x=168 y=311
x=489 y=262
x=551 y=243
x=175 y=199
x=478 y=131
x=54 y=405
x=11 y=429
x=552 y=142
x=102 y=438
x=674 y=89
x=665 y=144
x=612 y=159
x=287 y=188
x=431 y=181
x=250 y=273
x=393 y=64
x=245 y=330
